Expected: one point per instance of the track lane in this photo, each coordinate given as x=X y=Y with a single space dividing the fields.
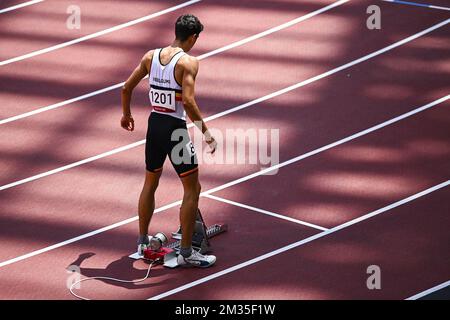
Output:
x=49 y=269
x=61 y=133
x=41 y=28
x=124 y=260
x=339 y=184
x=79 y=69
x=408 y=243
x=8 y=6
x=60 y=206
x=32 y=281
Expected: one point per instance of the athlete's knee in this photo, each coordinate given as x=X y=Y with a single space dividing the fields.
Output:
x=151 y=182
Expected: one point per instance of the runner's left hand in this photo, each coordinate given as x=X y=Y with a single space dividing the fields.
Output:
x=212 y=145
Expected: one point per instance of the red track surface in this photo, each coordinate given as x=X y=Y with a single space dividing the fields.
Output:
x=409 y=243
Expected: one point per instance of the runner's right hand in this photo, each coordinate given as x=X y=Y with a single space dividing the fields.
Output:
x=127 y=122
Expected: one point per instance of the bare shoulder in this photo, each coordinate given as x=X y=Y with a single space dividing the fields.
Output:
x=147 y=59
x=188 y=62
x=148 y=56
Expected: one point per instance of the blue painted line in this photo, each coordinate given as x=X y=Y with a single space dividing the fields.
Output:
x=423 y=5
x=411 y=3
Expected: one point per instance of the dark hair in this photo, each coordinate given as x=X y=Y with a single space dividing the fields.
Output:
x=186 y=26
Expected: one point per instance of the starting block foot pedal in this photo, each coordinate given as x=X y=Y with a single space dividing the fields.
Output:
x=168 y=253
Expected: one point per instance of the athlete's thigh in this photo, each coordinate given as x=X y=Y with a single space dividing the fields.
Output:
x=182 y=153
x=155 y=150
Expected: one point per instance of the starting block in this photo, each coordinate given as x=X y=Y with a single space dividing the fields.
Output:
x=167 y=252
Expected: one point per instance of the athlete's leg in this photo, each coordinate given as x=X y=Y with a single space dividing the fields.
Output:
x=189 y=207
x=147 y=200
x=155 y=155
x=188 y=213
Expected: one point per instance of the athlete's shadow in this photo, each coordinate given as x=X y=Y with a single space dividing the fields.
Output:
x=122 y=269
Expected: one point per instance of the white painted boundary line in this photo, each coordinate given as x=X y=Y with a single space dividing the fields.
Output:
x=329 y=146
x=201 y=57
x=274 y=29
x=269 y=213
x=84 y=236
x=60 y=104
x=379 y=126
x=418 y=4
x=20 y=5
x=301 y=242
x=242 y=106
x=429 y=291
x=98 y=34
x=72 y=165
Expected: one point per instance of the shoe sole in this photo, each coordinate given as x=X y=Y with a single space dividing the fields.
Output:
x=191 y=265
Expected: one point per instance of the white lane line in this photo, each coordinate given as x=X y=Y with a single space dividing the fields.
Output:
x=329 y=146
x=429 y=291
x=232 y=183
x=72 y=165
x=237 y=108
x=201 y=57
x=98 y=34
x=275 y=29
x=418 y=4
x=20 y=5
x=84 y=236
x=269 y=213
x=62 y=103
x=301 y=242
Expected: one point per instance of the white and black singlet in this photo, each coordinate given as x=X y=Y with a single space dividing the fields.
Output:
x=167 y=134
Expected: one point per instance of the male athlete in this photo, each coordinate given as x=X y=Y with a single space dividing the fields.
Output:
x=172 y=75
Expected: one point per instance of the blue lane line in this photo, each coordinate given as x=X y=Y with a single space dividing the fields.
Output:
x=411 y=3
x=418 y=4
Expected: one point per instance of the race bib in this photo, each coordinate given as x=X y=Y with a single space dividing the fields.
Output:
x=162 y=98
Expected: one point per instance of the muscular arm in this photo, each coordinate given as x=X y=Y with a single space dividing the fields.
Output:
x=127 y=89
x=190 y=105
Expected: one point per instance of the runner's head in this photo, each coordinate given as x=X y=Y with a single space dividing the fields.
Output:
x=187 y=29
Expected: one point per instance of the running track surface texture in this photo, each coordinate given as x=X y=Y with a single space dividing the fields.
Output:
x=363 y=170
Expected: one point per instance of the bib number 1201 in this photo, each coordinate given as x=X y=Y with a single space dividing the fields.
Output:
x=162 y=98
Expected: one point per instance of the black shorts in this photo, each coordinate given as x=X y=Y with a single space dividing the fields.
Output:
x=168 y=136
